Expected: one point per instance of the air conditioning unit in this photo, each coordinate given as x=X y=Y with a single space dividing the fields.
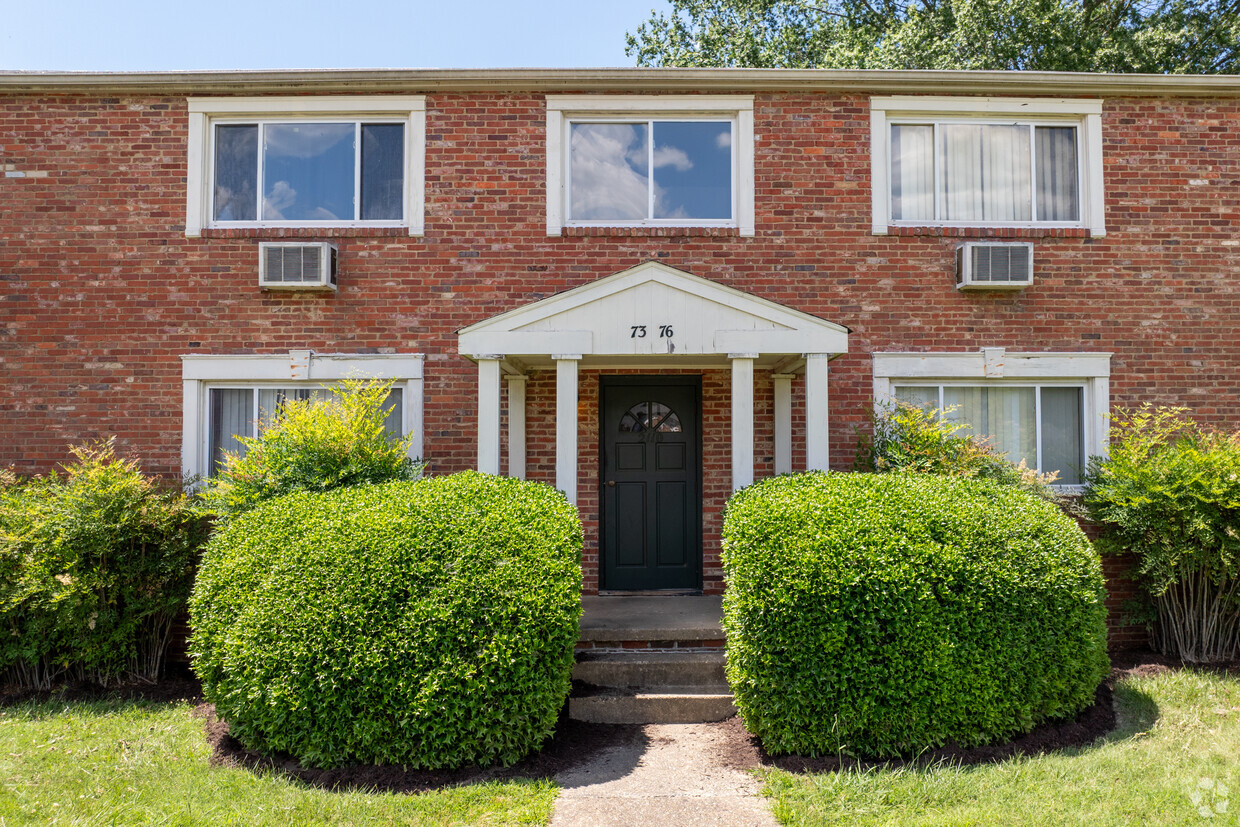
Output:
x=986 y=265
x=284 y=265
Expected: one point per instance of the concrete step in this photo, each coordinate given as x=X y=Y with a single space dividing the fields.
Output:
x=607 y=620
x=655 y=669
x=671 y=705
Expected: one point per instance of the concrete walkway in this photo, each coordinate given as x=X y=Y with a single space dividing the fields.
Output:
x=666 y=775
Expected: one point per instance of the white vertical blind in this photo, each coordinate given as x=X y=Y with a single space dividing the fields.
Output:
x=985 y=172
x=912 y=172
x=1058 y=191
x=232 y=415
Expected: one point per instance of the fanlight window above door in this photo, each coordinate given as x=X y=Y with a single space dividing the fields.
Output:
x=650 y=416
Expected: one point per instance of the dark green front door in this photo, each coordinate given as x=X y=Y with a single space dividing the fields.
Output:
x=651 y=482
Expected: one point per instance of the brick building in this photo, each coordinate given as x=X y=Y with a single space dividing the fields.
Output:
x=646 y=287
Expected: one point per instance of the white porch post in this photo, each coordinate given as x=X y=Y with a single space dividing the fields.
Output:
x=817 y=453
x=566 y=425
x=488 y=414
x=742 y=419
x=516 y=426
x=783 y=422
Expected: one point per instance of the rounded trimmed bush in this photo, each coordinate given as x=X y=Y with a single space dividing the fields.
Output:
x=881 y=615
x=428 y=623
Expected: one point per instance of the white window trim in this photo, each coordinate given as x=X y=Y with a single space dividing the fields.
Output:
x=205 y=112
x=999 y=367
x=1085 y=114
x=201 y=372
x=561 y=109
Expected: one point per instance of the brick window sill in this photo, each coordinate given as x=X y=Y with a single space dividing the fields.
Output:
x=305 y=232
x=991 y=232
x=650 y=232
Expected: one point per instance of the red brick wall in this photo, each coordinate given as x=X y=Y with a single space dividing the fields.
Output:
x=102 y=292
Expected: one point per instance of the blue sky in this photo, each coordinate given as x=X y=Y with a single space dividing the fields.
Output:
x=132 y=35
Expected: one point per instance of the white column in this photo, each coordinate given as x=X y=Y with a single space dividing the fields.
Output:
x=566 y=425
x=742 y=419
x=516 y=426
x=415 y=416
x=783 y=422
x=488 y=414
x=817 y=455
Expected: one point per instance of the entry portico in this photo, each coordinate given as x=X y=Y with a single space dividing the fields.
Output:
x=652 y=318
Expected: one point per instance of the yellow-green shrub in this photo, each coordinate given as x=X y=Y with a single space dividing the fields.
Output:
x=315 y=444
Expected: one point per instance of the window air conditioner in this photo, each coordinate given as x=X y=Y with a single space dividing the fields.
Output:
x=296 y=265
x=994 y=265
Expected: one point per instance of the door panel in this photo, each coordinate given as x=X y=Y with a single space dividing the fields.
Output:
x=651 y=483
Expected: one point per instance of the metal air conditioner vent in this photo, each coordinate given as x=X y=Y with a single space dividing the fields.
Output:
x=994 y=265
x=296 y=265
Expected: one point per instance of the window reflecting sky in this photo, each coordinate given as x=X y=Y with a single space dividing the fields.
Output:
x=308 y=172
x=609 y=176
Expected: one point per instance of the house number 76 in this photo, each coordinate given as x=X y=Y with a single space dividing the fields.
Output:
x=638 y=331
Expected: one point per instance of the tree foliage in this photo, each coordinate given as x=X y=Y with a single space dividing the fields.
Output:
x=1156 y=36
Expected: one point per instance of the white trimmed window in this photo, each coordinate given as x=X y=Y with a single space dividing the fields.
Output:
x=306 y=162
x=228 y=397
x=986 y=162
x=1047 y=409
x=649 y=161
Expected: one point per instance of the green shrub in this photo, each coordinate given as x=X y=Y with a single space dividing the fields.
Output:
x=430 y=624
x=315 y=444
x=909 y=439
x=1169 y=493
x=882 y=615
x=95 y=567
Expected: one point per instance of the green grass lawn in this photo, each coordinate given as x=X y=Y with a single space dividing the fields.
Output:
x=121 y=762
x=1178 y=742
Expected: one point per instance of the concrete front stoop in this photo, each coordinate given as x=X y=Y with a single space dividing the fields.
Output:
x=650 y=660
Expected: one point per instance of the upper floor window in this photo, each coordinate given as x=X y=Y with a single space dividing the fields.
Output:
x=635 y=161
x=308 y=172
x=306 y=162
x=987 y=163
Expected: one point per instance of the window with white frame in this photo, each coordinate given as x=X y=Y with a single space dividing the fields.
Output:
x=1046 y=409
x=639 y=160
x=234 y=412
x=306 y=162
x=229 y=397
x=986 y=162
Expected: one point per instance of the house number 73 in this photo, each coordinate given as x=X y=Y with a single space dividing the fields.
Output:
x=638 y=331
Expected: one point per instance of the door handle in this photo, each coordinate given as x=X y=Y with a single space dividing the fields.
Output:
x=611 y=483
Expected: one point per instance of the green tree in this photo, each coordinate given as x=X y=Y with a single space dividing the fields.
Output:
x=1156 y=36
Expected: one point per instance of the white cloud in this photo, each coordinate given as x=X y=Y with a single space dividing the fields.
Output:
x=724 y=139
x=607 y=181
x=670 y=156
x=305 y=140
x=279 y=198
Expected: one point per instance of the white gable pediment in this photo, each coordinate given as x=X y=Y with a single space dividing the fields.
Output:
x=650 y=310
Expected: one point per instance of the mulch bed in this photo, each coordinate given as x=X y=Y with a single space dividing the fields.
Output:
x=744 y=751
x=575 y=743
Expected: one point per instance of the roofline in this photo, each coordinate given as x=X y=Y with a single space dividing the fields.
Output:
x=870 y=81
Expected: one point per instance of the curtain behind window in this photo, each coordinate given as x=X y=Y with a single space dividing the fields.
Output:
x=232 y=415
x=985 y=173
